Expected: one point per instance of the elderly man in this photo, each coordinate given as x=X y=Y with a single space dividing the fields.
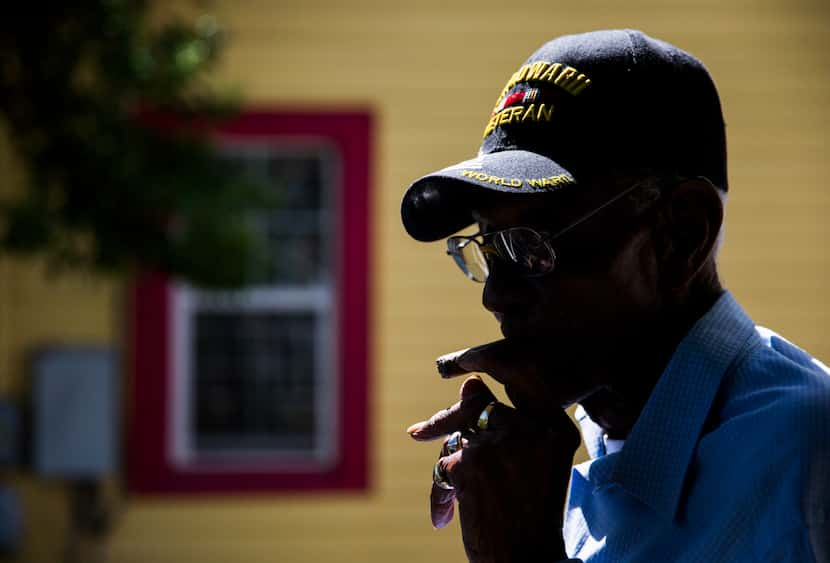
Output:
x=598 y=197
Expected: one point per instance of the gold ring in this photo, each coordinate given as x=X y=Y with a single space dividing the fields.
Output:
x=484 y=418
x=439 y=477
x=454 y=443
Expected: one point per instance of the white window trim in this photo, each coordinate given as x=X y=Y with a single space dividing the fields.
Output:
x=186 y=301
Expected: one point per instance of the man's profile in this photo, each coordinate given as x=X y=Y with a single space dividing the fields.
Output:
x=598 y=200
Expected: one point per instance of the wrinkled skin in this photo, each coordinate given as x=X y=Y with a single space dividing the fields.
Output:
x=495 y=517
x=598 y=330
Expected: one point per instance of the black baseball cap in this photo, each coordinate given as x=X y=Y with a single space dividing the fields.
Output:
x=582 y=105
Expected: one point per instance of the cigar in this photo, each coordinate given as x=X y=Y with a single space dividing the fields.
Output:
x=448 y=364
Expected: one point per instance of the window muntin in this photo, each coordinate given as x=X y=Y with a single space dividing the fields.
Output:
x=253 y=368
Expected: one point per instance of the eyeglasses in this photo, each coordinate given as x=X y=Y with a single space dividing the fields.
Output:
x=528 y=251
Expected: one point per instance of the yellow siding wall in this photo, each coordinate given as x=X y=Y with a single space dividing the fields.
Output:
x=430 y=70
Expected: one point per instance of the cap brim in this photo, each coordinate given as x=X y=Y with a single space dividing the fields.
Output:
x=439 y=204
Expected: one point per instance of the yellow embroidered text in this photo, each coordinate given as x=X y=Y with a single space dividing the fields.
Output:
x=564 y=76
x=516 y=114
x=549 y=182
x=481 y=177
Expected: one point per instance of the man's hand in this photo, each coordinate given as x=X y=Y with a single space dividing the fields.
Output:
x=511 y=479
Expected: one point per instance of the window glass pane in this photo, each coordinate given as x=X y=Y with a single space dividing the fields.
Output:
x=296 y=231
x=254 y=368
x=254 y=381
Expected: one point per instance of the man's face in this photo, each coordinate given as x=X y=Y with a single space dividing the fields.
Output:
x=602 y=297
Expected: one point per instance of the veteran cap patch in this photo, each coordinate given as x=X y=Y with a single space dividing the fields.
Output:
x=582 y=105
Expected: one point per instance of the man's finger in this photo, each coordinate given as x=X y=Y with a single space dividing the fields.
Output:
x=474 y=397
x=472 y=387
x=518 y=370
x=529 y=396
x=441 y=506
x=441 y=500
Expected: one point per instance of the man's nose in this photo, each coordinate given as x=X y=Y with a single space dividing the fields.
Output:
x=503 y=290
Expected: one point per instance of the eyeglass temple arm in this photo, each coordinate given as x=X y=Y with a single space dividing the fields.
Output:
x=597 y=210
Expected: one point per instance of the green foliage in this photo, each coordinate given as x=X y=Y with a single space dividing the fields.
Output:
x=106 y=189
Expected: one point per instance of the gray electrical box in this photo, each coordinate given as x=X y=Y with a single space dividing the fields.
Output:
x=75 y=415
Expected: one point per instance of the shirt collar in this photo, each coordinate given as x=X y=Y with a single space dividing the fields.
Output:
x=591 y=433
x=653 y=464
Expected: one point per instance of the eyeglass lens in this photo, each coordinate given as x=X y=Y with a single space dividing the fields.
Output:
x=526 y=249
x=521 y=247
x=470 y=258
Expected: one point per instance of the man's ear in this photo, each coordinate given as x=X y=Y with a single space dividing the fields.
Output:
x=688 y=232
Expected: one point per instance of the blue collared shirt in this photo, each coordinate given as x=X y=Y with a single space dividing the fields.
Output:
x=729 y=460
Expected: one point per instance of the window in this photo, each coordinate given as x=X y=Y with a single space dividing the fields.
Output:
x=253 y=389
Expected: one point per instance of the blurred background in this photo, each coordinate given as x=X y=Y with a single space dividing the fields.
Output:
x=151 y=410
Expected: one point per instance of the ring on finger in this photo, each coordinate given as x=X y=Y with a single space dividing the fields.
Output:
x=454 y=442
x=439 y=477
x=483 y=422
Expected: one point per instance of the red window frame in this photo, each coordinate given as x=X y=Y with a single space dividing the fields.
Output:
x=149 y=467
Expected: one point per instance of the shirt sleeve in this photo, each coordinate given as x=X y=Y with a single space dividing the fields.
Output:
x=816 y=493
x=793 y=547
